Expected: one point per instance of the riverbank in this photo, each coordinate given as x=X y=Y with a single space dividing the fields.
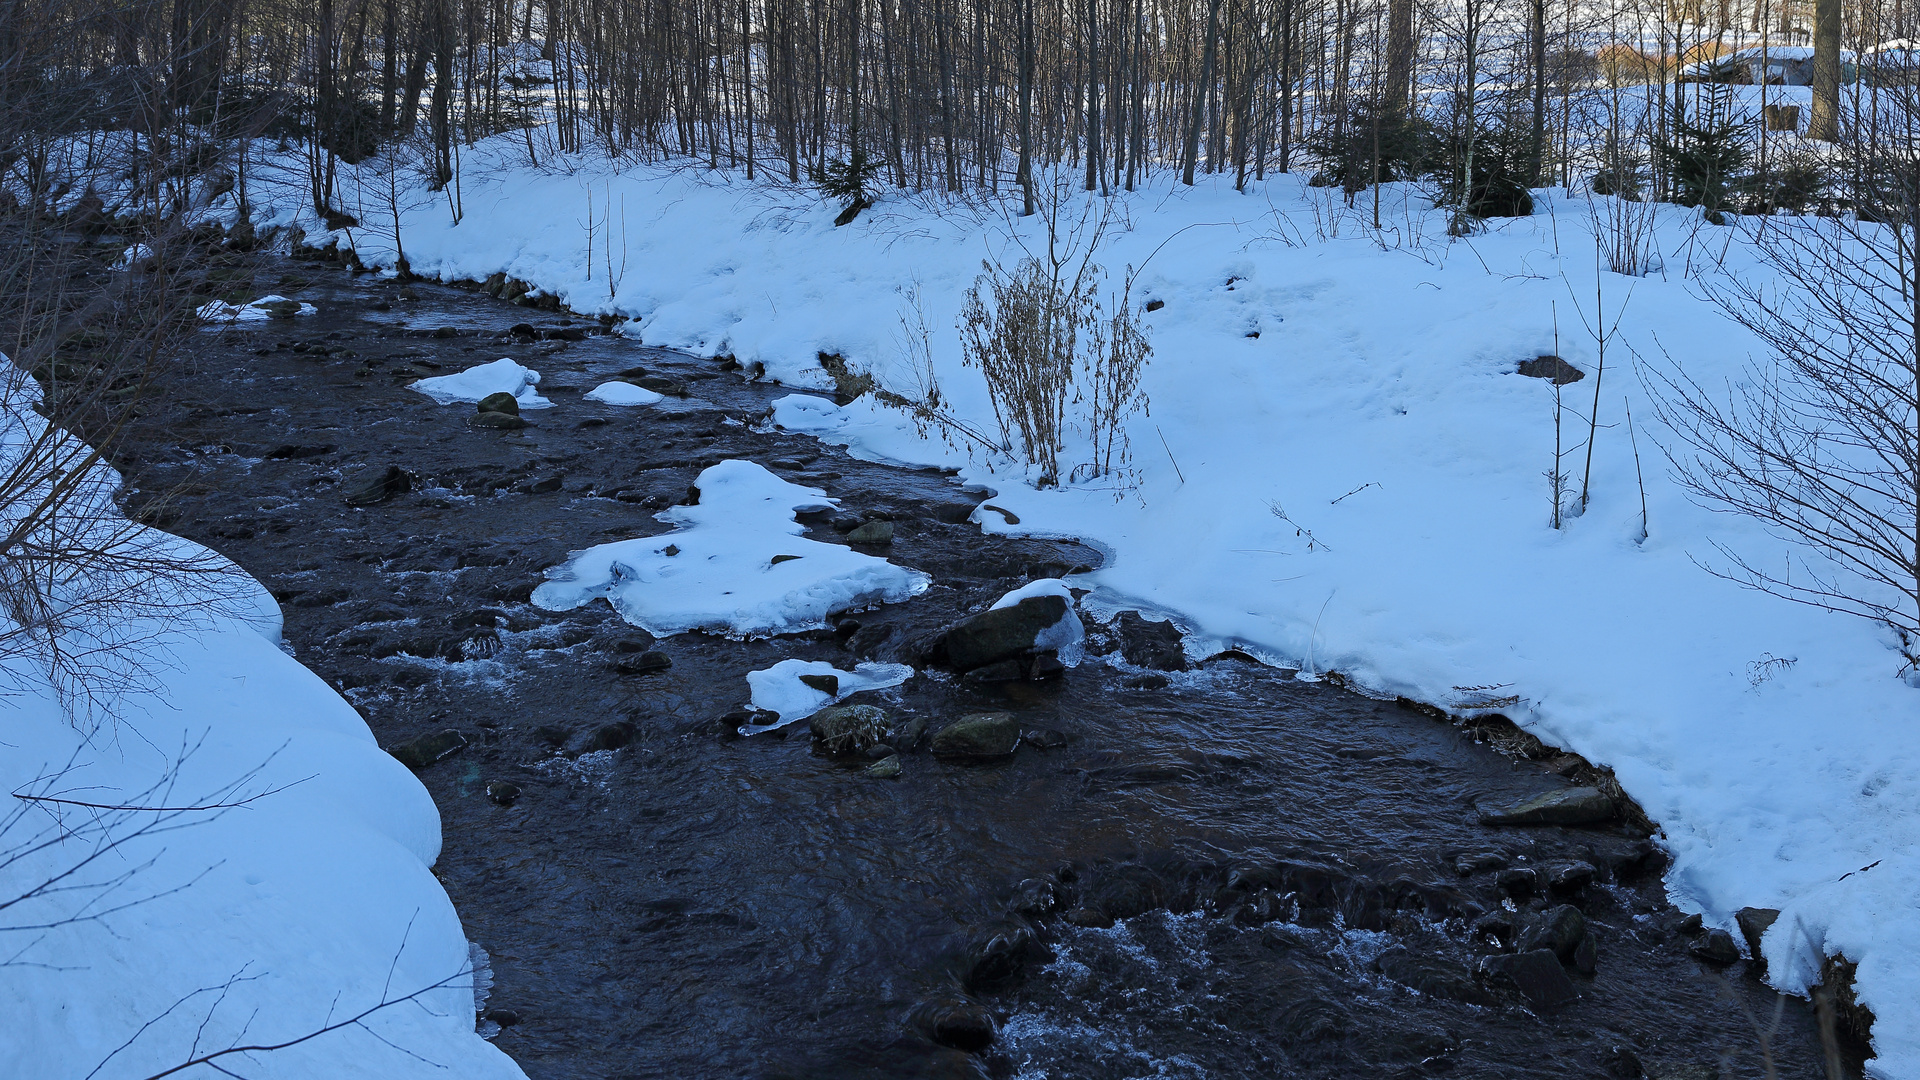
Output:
x=662 y=899
x=1364 y=383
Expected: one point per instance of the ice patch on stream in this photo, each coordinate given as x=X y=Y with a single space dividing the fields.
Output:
x=779 y=689
x=738 y=564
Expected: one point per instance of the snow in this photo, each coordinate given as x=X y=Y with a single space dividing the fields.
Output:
x=502 y=376
x=1378 y=409
x=718 y=570
x=221 y=311
x=622 y=393
x=1067 y=637
x=301 y=903
x=779 y=689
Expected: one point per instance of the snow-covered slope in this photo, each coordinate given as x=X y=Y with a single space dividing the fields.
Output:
x=1362 y=383
x=135 y=940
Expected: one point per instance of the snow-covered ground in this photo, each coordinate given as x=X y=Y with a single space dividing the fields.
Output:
x=152 y=927
x=1342 y=471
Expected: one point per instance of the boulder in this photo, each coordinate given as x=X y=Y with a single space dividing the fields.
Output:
x=959 y=1024
x=1559 y=930
x=872 y=534
x=499 y=401
x=978 y=735
x=645 y=663
x=1003 y=633
x=887 y=768
x=1147 y=644
x=1536 y=974
x=1753 y=923
x=419 y=753
x=848 y=729
x=500 y=420
x=1566 y=806
x=1715 y=947
x=1553 y=368
x=376 y=485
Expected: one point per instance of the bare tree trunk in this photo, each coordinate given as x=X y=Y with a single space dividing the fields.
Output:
x=1824 y=123
x=1026 y=105
x=1201 y=92
x=1400 y=48
x=1537 y=31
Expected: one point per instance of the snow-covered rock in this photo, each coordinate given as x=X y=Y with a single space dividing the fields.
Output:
x=736 y=564
x=502 y=376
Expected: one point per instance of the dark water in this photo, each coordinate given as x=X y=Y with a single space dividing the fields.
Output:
x=1277 y=860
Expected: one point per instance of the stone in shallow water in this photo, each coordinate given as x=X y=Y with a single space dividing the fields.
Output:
x=979 y=735
x=499 y=420
x=1560 y=930
x=1536 y=974
x=427 y=749
x=376 y=485
x=1567 y=806
x=1715 y=947
x=1003 y=633
x=1146 y=644
x=502 y=792
x=885 y=769
x=645 y=663
x=873 y=533
x=962 y=1025
x=499 y=401
x=1753 y=923
x=848 y=729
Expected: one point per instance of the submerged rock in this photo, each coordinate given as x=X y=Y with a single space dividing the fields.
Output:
x=886 y=768
x=376 y=485
x=1560 y=930
x=962 y=1025
x=873 y=534
x=500 y=420
x=502 y=792
x=419 y=753
x=1567 y=806
x=1536 y=974
x=645 y=663
x=979 y=735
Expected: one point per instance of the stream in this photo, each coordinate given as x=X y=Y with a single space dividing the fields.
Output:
x=1218 y=872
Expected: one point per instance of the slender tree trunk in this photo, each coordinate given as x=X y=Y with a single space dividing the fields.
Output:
x=1201 y=94
x=1400 y=50
x=1537 y=32
x=1026 y=104
x=1824 y=123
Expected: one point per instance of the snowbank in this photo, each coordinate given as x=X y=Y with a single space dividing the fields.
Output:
x=502 y=376
x=737 y=564
x=253 y=869
x=1342 y=469
x=779 y=689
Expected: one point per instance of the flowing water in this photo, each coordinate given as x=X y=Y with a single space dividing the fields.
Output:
x=1223 y=872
